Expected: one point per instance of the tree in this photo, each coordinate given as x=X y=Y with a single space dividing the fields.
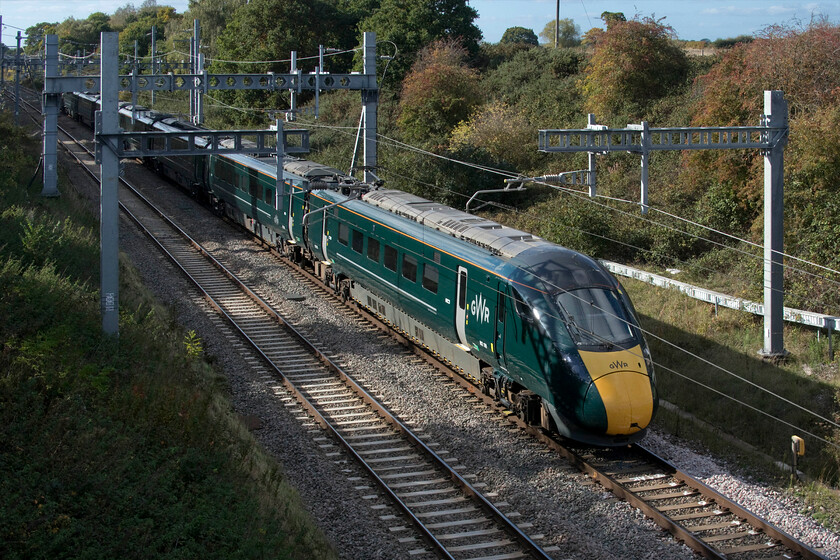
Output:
x=268 y=30
x=35 y=37
x=805 y=66
x=438 y=93
x=519 y=35
x=611 y=18
x=140 y=29
x=634 y=64
x=122 y=16
x=569 y=35
x=413 y=24
x=501 y=131
x=214 y=16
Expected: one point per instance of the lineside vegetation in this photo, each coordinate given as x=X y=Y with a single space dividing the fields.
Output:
x=111 y=449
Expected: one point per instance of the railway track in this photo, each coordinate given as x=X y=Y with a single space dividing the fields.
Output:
x=707 y=522
x=450 y=515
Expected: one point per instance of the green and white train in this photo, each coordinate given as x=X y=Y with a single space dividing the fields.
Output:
x=547 y=331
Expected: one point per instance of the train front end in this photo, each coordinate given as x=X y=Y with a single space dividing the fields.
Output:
x=600 y=376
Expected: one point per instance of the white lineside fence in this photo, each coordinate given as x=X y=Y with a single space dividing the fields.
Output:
x=817 y=320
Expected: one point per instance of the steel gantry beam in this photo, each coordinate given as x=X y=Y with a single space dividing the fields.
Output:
x=295 y=81
x=770 y=137
x=113 y=144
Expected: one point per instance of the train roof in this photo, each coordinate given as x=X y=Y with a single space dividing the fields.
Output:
x=491 y=235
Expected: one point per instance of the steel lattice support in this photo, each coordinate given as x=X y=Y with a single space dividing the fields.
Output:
x=770 y=137
x=51 y=105
x=107 y=123
x=111 y=142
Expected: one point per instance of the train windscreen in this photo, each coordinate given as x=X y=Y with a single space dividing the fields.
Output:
x=597 y=317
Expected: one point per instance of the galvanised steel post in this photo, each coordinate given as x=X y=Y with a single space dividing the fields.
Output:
x=292 y=114
x=199 y=93
x=17 y=80
x=590 y=123
x=51 y=105
x=154 y=58
x=775 y=115
x=2 y=58
x=645 y=141
x=370 y=100
x=107 y=123
x=196 y=95
x=134 y=72
x=281 y=155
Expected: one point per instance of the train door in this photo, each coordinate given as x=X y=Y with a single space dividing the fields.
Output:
x=501 y=318
x=461 y=306
x=291 y=212
x=324 y=238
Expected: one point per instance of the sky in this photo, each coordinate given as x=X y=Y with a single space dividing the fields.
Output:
x=691 y=19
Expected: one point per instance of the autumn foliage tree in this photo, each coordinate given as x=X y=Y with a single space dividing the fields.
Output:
x=802 y=63
x=438 y=93
x=634 y=64
x=412 y=25
x=501 y=131
x=519 y=35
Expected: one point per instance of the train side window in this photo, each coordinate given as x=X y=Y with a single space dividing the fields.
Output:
x=390 y=258
x=358 y=240
x=430 y=277
x=343 y=233
x=253 y=185
x=373 y=249
x=228 y=174
x=269 y=197
x=522 y=308
x=409 y=268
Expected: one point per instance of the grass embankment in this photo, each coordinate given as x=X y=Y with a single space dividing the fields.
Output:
x=115 y=449
x=730 y=340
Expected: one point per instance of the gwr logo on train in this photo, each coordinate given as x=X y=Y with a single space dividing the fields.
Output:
x=479 y=309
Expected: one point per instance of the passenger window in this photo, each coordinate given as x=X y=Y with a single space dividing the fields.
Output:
x=253 y=185
x=343 y=233
x=430 y=277
x=358 y=241
x=373 y=249
x=409 y=268
x=390 y=258
x=269 y=197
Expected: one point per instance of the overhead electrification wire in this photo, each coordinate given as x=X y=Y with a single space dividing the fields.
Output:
x=584 y=196
x=611 y=313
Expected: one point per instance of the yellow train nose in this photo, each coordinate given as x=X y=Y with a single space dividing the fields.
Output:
x=624 y=388
x=628 y=400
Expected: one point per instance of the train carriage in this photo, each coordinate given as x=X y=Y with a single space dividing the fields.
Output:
x=494 y=311
x=545 y=330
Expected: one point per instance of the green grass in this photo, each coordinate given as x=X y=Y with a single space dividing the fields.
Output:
x=116 y=448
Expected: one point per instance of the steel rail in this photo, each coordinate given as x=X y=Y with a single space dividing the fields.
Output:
x=512 y=529
x=681 y=532
x=689 y=538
